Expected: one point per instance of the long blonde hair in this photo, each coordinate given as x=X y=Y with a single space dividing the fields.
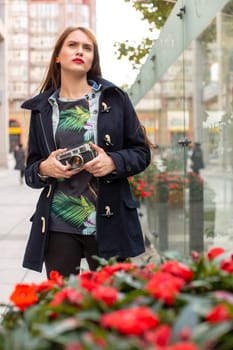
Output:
x=52 y=79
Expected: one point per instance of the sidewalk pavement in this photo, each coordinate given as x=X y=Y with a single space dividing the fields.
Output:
x=17 y=204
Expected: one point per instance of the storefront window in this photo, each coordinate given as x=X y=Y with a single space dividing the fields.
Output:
x=186 y=194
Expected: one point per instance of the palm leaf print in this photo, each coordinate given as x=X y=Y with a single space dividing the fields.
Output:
x=72 y=210
x=74 y=119
x=88 y=135
x=90 y=224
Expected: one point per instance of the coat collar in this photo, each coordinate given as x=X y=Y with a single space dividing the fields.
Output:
x=95 y=88
x=40 y=101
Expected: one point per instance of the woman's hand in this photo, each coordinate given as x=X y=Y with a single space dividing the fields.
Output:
x=100 y=165
x=54 y=168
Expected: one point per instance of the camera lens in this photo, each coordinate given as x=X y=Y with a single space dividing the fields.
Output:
x=76 y=162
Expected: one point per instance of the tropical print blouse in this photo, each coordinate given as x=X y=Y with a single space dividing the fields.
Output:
x=74 y=201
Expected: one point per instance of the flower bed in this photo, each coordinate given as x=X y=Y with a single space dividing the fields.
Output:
x=159 y=187
x=182 y=304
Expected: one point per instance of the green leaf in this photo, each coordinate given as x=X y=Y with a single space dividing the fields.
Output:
x=187 y=318
x=71 y=209
x=52 y=330
x=22 y=339
x=205 y=333
x=76 y=118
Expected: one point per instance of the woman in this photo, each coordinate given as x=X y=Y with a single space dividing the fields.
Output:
x=88 y=210
x=19 y=155
x=197 y=158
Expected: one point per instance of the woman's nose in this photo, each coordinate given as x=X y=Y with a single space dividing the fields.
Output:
x=79 y=50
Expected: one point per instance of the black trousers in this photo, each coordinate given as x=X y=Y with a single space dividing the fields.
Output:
x=65 y=251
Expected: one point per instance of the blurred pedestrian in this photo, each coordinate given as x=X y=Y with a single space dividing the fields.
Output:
x=19 y=155
x=86 y=207
x=197 y=158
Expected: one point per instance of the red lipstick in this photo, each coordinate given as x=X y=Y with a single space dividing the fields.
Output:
x=78 y=60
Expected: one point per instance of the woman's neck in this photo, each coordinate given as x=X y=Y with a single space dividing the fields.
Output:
x=73 y=89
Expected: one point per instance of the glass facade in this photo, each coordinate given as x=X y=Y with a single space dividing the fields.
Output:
x=186 y=194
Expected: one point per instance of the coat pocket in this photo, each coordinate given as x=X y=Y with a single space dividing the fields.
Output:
x=131 y=203
x=131 y=220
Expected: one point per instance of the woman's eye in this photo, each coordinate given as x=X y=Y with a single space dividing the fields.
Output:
x=88 y=48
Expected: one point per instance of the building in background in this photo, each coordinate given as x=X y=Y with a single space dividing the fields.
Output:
x=3 y=87
x=33 y=27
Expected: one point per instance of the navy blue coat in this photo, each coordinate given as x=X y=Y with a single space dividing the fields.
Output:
x=118 y=229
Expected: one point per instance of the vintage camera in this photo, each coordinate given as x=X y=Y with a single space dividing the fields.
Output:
x=78 y=156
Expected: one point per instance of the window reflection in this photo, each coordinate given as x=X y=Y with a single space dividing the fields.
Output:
x=193 y=101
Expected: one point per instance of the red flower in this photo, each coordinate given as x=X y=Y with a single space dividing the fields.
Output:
x=108 y=271
x=164 y=286
x=177 y=269
x=133 y=321
x=227 y=265
x=183 y=346
x=108 y=295
x=141 y=188
x=70 y=294
x=94 y=339
x=224 y=295
x=24 y=296
x=44 y=286
x=146 y=273
x=74 y=346
x=214 y=252
x=175 y=186
x=150 y=266
x=87 y=280
x=120 y=266
x=195 y=256
x=185 y=333
x=146 y=194
x=160 y=336
x=218 y=314
x=90 y=280
x=56 y=278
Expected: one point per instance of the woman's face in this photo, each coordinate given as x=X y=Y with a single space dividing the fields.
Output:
x=77 y=53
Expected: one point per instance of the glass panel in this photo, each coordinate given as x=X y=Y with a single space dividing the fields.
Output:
x=213 y=125
x=163 y=184
x=186 y=194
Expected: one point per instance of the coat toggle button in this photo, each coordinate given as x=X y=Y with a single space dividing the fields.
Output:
x=105 y=108
x=108 y=212
x=107 y=140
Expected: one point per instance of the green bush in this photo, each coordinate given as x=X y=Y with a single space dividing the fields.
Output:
x=184 y=303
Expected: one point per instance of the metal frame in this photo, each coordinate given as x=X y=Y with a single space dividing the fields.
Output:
x=186 y=21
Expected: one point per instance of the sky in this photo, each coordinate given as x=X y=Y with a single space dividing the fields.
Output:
x=117 y=20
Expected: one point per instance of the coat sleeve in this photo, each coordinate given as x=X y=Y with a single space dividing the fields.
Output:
x=135 y=156
x=36 y=153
